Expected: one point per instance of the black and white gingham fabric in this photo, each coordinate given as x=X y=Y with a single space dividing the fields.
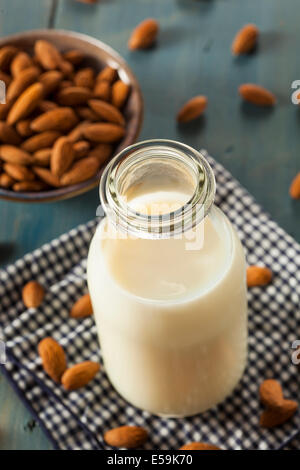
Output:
x=78 y=419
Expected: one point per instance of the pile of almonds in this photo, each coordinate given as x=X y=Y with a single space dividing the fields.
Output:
x=61 y=119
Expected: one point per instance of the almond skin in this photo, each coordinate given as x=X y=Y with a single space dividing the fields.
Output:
x=119 y=93
x=73 y=96
x=50 y=80
x=129 y=437
x=57 y=119
x=108 y=74
x=272 y=417
x=18 y=172
x=53 y=358
x=77 y=133
x=47 y=54
x=85 y=78
x=32 y=186
x=4 y=110
x=199 y=446
x=20 y=62
x=74 y=56
x=47 y=105
x=7 y=53
x=33 y=294
x=6 y=181
x=87 y=114
x=23 y=128
x=192 y=109
x=102 y=152
x=81 y=149
x=104 y=132
x=5 y=78
x=62 y=156
x=245 y=39
x=79 y=375
x=295 y=187
x=82 y=308
x=80 y=171
x=258 y=276
x=8 y=135
x=107 y=112
x=21 y=82
x=270 y=393
x=40 y=141
x=144 y=35
x=257 y=95
x=42 y=157
x=102 y=90
x=12 y=154
x=47 y=176
x=26 y=103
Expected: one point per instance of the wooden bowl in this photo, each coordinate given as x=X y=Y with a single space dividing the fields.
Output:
x=98 y=55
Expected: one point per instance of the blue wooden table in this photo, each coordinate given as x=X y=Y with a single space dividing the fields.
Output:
x=260 y=147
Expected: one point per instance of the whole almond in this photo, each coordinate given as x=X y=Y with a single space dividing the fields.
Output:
x=73 y=96
x=46 y=176
x=79 y=375
x=26 y=103
x=50 y=80
x=62 y=156
x=53 y=358
x=81 y=149
x=23 y=128
x=144 y=35
x=20 y=62
x=12 y=154
x=77 y=133
x=6 y=181
x=57 y=119
x=22 y=81
x=192 y=109
x=119 y=93
x=8 y=134
x=29 y=186
x=85 y=78
x=87 y=114
x=42 y=157
x=102 y=152
x=65 y=84
x=272 y=417
x=47 y=54
x=74 y=56
x=108 y=74
x=33 y=294
x=245 y=39
x=258 y=276
x=257 y=94
x=199 y=446
x=295 y=187
x=67 y=68
x=7 y=53
x=80 y=171
x=107 y=111
x=40 y=141
x=102 y=90
x=129 y=437
x=104 y=132
x=82 y=308
x=270 y=393
x=47 y=105
x=18 y=172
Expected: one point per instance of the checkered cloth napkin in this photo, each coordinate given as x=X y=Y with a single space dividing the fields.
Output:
x=78 y=419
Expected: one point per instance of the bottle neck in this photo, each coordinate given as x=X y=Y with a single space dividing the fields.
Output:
x=157 y=165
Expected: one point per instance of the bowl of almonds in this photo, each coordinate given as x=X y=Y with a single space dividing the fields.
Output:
x=71 y=103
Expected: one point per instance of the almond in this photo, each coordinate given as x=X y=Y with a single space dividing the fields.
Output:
x=192 y=109
x=81 y=149
x=62 y=156
x=74 y=56
x=40 y=141
x=77 y=133
x=7 y=53
x=245 y=39
x=42 y=157
x=23 y=128
x=102 y=152
x=8 y=135
x=81 y=171
x=4 y=110
x=85 y=78
x=12 y=154
x=295 y=187
x=5 y=78
x=33 y=294
x=6 y=181
x=108 y=74
x=73 y=96
x=53 y=358
x=47 y=105
x=65 y=84
x=20 y=62
x=144 y=35
x=79 y=375
x=119 y=92
x=57 y=119
x=104 y=132
x=107 y=111
x=272 y=417
x=32 y=186
x=26 y=103
x=50 y=80
x=82 y=308
x=257 y=94
x=87 y=114
x=102 y=90
x=199 y=446
x=258 y=276
x=21 y=82
x=270 y=393
x=47 y=54
x=66 y=68
x=18 y=172
x=129 y=437
x=47 y=176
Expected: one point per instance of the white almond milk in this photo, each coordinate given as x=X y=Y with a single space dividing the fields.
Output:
x=172 y=322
